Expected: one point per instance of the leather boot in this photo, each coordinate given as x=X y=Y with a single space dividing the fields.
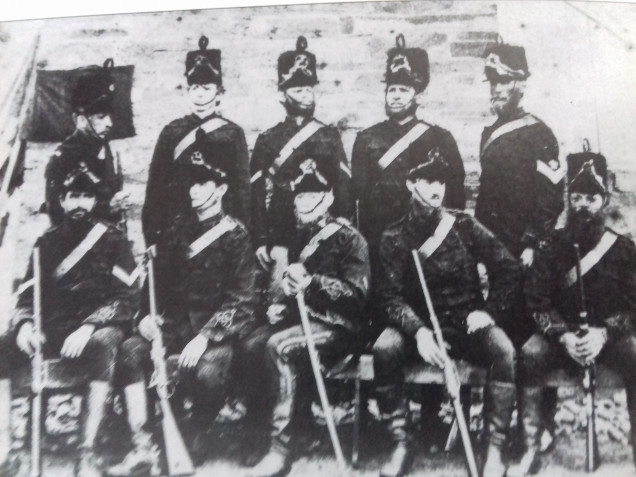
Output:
x=88 y=464
x=142 y=460
x=400 y=458
x=276 y=463
x=531 y=399
x=502 y=401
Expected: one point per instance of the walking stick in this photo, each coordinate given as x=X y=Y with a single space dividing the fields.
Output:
x=36 y=370
x=450 y=373
x=320 y=383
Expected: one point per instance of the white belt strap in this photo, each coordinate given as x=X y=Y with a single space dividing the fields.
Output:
x=527 y=120
x=208 y=238
x=210 y=125
x=402 y=144
x=441 y=232
x=308 y=130
x=323 y=234
x=82 y=249
x=592 y=257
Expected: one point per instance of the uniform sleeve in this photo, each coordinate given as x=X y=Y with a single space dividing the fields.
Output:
x=394 y=261
x=54 y=180
x=345 y=292
x=548 y=184
x=623 y=321
x=242 y=180
x=153 y=211
x=258 y=193
x=122 y=300
x=236 y=314
x=455 y=196
x=343 y=204
x=504 y=271
x=24 y=307
x=540 y=285
x=359 y=169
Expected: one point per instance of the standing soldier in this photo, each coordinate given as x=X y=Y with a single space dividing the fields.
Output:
x=205 y=276
x=450 y=244
x=384 y=153
x=167 y=188
x=330 y=267
x=608 y=272
x=279 y=151
x=87 y=148
x=87 y=301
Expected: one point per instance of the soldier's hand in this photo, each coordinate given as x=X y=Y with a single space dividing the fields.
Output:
x=263 y=257
x=477 y=320
x=427 y=347
x=120 y=201
x=276 y=313
x=570 y=341
x=27 y=338
x=590 y=345
x=193 y=351
x=75 y=343
x=295 y=279
x=148 y=328
x=527 y=257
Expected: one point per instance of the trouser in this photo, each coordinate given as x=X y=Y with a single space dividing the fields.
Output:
x=488 y=347
x=207 y=383
x=288 y=360
x=540 y=355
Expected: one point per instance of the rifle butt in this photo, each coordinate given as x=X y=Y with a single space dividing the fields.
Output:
x=178 y=459
x=36 y=435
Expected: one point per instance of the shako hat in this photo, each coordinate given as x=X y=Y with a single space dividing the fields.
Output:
x=203 y=66
x=297 y=67
x=587 y=173
x=506 y=61
x=309 y=179
x=80 y=180
x=435 y=169
x=407 y=66
x=93 y=90
x=200 y=169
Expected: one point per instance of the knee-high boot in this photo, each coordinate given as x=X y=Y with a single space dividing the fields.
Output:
x=502 y=400
x=532 y=414
x=393 y=404
x=96 y=398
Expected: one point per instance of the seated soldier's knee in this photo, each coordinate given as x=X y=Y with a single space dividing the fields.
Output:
x=502 y=350
x=102 y=350
x=626 y=348
x=532 y=359
x=214 y=366
x=389 y=345
x=133 y=353
x=108 y=338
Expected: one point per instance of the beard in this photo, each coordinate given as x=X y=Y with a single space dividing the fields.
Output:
x=586 y=228
x=294 y=108
x=400 y=114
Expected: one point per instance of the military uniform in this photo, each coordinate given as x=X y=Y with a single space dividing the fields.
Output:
x=384 y=153
x=608 y=268
x=226 y=149
x=450 y=245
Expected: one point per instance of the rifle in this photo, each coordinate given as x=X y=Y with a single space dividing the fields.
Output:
x=589 y=377
x=178 y=459
x=320 y=383
x=37 y=365
x=451 y=376
x=122 y=224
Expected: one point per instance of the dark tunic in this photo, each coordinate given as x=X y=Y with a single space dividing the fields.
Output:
x=382 y=194
x=517 y=201
x=80 y=150
x=167 y=191
x=213 y=293
x=450 y=272
x=101 y=289
x=272 y=199
x=610 y=288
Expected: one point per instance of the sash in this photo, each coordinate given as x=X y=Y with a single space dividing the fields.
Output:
x=527 y=120
x=125 y=277
x=441 y=232
x=208 y=238
x=554 y=175
x=294 y=143
x=323 y=234
x=82 y=249
x=210 y=125
x=402 y=144
x=592 y=257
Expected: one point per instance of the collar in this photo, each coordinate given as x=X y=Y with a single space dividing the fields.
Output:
x=212 y=221
x=290 y=121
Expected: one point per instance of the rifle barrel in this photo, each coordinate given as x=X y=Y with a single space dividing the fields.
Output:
x=36 y=367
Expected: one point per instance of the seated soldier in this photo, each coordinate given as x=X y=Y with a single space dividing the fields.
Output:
x=608 y=268
x=87 y=302
x=205 y=291
x=330 y=266
x=450 y=245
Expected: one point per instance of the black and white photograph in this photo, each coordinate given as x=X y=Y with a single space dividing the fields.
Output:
x=354 y=239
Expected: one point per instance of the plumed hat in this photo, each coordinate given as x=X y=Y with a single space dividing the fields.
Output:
x=200 y=169
x=587 y=173
x=297 y=67
x=506 y=61
x=203 y=66
x=93 y=90
x=407 y=66
x=435 y=169
x=79 y=180
x=309 y=179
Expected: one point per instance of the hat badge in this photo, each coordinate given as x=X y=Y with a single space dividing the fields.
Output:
x=308 y=166
x=301 y=64
x=197 y=159
x=434 y=154
x=400 y=62
x=553 y=164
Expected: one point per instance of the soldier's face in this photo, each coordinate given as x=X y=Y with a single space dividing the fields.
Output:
x=77 y=205
x=586 y=206
x=400 y=100
x=505 y=94
x=311 y=206
x=299 y=100
x=429 y=194
x=203 y=94
x=206 y=195
x=98 y=125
